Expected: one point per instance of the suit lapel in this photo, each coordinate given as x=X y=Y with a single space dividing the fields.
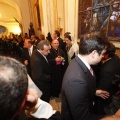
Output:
x=43 y=59
x=91 y=81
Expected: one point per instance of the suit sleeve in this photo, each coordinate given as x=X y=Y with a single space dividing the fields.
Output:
x=107 y=75
x=76 y=94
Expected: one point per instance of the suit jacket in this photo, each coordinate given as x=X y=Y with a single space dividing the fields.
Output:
x=41 y=73
x=78 y=90
x=107 y=73
x=26 y=56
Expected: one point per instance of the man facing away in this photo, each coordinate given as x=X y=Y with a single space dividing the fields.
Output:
x=79 y=84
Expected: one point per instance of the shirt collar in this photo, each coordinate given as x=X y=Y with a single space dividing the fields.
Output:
x=84 y=61
x=31 y=47
x=41 y=53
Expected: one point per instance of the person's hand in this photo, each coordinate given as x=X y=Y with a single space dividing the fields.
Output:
x=61 y=58
x=31 y=98
x=58 y=59
x=102 y=93
x=26 y=62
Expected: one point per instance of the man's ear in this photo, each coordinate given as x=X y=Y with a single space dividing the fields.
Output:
x=93 y=53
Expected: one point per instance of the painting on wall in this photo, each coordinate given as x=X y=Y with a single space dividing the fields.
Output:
x=99 y=15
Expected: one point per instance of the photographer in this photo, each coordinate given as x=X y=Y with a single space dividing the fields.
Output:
x=109 y=68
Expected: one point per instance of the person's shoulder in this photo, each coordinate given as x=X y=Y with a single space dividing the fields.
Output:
x=75 y=65
x=60 y=39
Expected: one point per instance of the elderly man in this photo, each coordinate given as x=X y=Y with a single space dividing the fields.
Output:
x=41 y=72
x=57 y=60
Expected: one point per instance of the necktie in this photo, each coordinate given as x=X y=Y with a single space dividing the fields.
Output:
x=91 y=71
x=46 y=59
x=30 y=52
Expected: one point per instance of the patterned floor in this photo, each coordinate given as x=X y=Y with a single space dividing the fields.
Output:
x=56 y=105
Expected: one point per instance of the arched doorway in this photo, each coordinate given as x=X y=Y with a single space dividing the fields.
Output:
x=10 y=17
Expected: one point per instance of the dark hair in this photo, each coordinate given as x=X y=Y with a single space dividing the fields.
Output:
x=69 y=37
x=110 y=50
x=67 y=33
x=26 y=34
x=29 y=41
x=13 y=86
x=91 y=42
x=42 y=37
x=57 y=32
x=41 y=44
x=49 y=38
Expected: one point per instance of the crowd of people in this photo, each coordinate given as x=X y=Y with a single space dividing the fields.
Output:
x=58 y=66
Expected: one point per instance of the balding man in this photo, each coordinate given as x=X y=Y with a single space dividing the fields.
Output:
x=57 y=60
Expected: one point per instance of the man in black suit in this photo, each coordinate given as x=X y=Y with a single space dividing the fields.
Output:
x=79 y=84
x=109 y=68
x=41 y=73
x=27 y=52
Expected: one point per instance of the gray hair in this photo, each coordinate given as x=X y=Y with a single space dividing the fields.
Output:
x=41 y=44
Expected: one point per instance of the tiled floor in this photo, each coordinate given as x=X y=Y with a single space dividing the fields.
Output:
x=56 y=105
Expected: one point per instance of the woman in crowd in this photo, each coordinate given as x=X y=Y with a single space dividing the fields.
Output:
x=71 y=46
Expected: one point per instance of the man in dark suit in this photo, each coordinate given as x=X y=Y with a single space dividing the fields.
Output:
x=27 y=52
x=109 y=68
x=79 y=84
x=41 y=73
